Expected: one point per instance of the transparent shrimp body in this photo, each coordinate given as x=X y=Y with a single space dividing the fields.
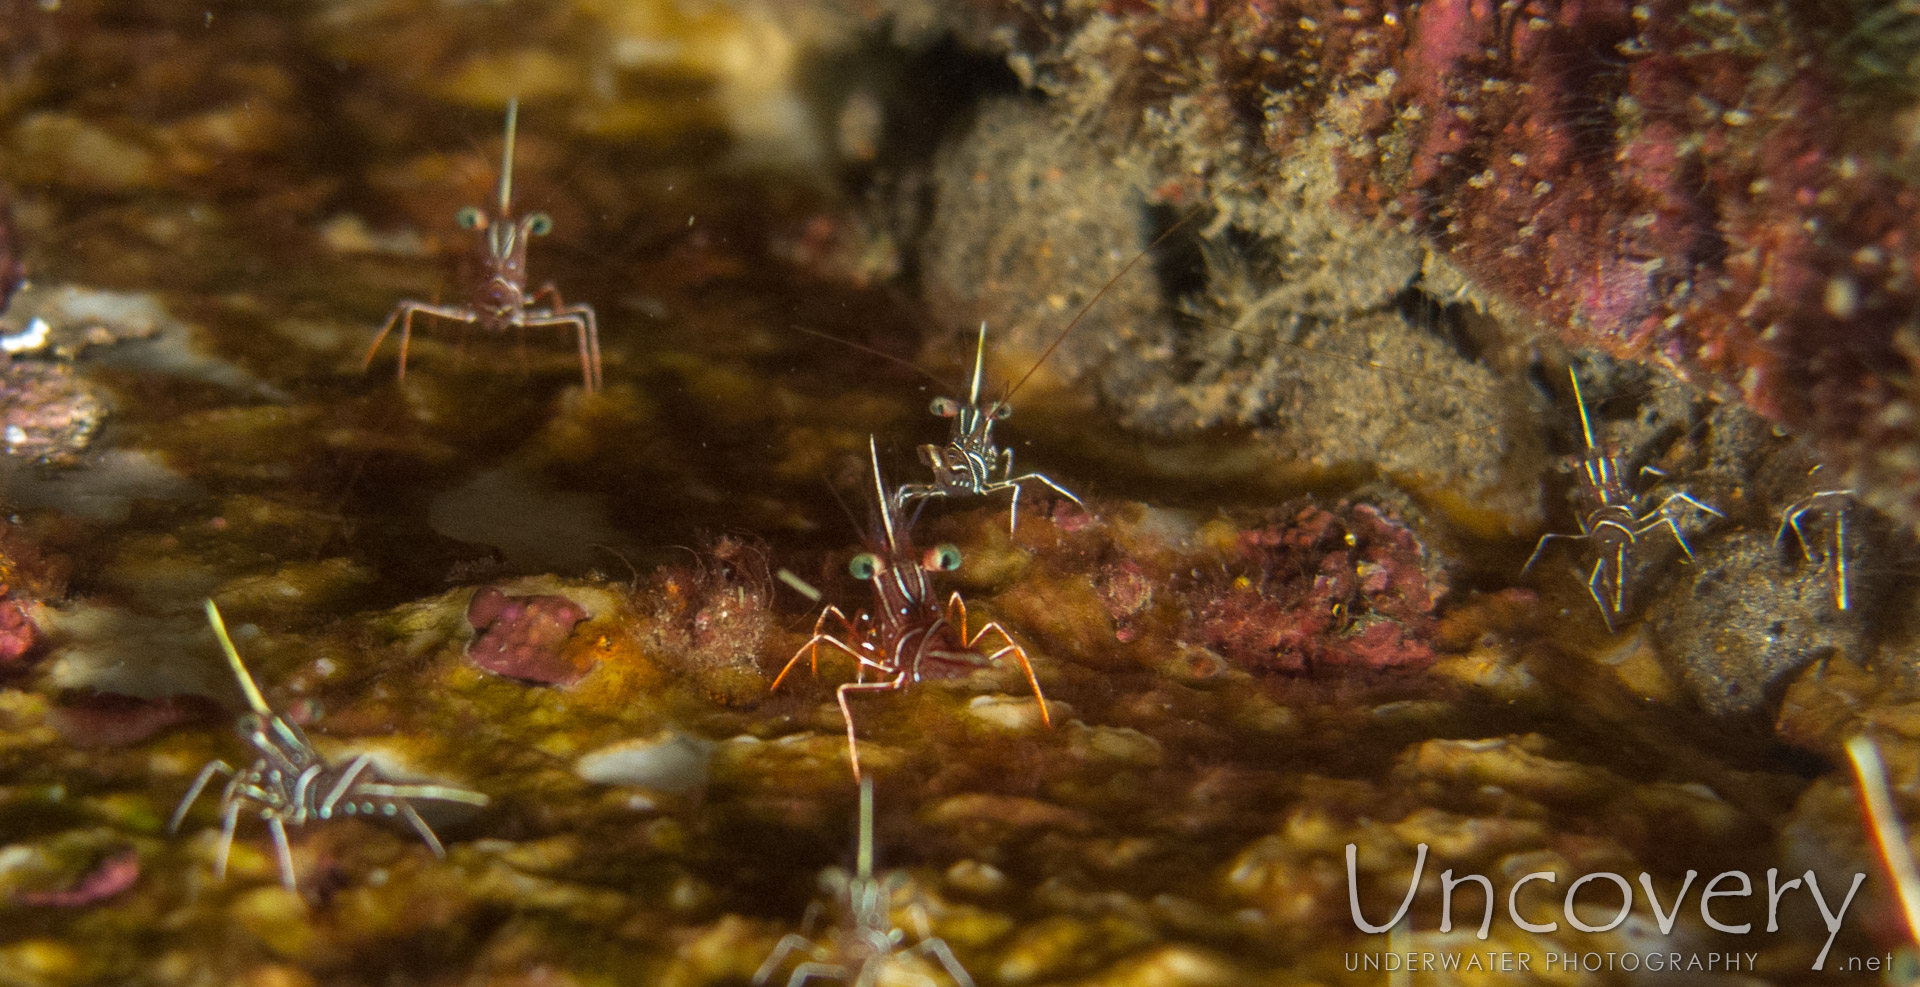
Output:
x=290 y=784
x=497 y=299
x=1822 y=509
x=972 y=464
x=1610 y=517
x=865 y=945
x=908 y=635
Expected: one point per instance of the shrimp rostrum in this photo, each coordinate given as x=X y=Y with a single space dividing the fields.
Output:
x=866 y=945
x=498 y=299
x=290 y=784
x=907 y=636
x=972 y=464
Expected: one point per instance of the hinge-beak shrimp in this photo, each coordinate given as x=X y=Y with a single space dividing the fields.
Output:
x=870 y=940
x=966 y=465
x=1831 y=506
x=908 y=635
x=1609 y=517
x=291 y=784
x=498 y=300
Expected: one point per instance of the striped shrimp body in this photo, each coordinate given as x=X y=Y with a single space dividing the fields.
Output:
x=971 y=463
x=1610 y=518
x=500 y=301
x=907 y=636
x=1822 y=507
x=290 y=784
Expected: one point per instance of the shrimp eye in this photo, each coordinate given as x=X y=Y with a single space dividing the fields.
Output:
x=944 y=407
x=864 y=565
x=942 y=558
x=539 y=224
x=1002 y=410
x=470 y=218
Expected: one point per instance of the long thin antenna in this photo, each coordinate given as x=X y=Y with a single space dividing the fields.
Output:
x=870 y=351
x=1586 y=428
x=1091 y=302
x=863 y=863
x=979 y=365
x=1840 y=564
x=506 y=158
x=1886 y=827
x=880 y=490
x=254 y=698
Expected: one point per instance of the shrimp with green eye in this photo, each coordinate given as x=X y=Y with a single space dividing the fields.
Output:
x=498 y=300
x=966 y=465
x=908 y=636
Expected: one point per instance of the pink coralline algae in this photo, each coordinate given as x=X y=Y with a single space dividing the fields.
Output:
x=1127 y=592
x=112 y=876
x=47 y=411
x=17 y=632
x=1341 y=588
x=1659 y=178
x=524 y=637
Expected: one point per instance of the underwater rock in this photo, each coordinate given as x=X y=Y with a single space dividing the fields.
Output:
x=74 y=869
x=670 y=762
x=71 y=150
x=1741 y=623
x=1128 y=593
x=76 y=317
x=295 y=586
x=1014 y=714
x=1712 y=186
x=524 y=637
x=1030 y=164
x=18 y=634
x=104 y=488
x=1832 y=701
x=1172 y=966
x=48 y=412
x=1289 y=317
x=30 y=569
